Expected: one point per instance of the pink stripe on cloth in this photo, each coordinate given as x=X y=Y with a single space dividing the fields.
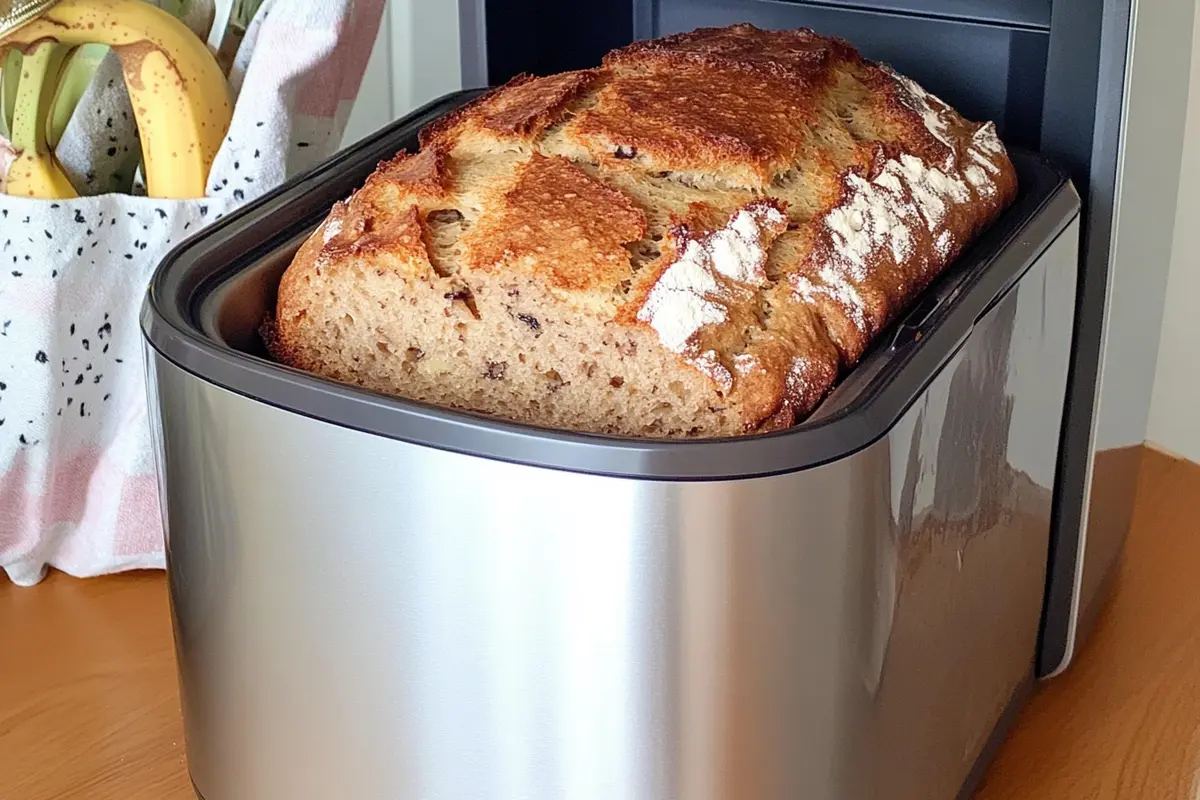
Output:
x=17 y=507
x=24 y=513
x=139 y=521
x=364 y=28
x=339 y=76
x=319 y=92
x=306 y=62
x=294 y=63
x=88 y=492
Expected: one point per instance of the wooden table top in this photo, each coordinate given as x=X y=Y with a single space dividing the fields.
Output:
x=89 y=706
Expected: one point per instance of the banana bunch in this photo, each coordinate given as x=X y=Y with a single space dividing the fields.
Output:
x=177 y=92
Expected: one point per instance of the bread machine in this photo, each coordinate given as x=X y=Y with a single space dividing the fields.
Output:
x=377 y=599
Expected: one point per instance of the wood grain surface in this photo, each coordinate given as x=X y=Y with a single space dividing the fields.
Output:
x=1124 y=721
x=89 y=705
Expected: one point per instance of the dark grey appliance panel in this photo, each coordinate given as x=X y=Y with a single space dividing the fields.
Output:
x=988 y=72
x=1012 y=13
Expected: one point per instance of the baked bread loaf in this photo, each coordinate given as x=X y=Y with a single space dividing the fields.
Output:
x=693 y=240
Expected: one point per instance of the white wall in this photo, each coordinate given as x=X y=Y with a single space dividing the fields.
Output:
x=415 y=60
x=1175 y=408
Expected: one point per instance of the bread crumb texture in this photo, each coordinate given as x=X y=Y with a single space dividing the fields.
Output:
x=693 y=240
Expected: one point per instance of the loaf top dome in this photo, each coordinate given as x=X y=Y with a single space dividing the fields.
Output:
x=754 y=205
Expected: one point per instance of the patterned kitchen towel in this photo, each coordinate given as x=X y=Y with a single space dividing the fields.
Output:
x=78 y=490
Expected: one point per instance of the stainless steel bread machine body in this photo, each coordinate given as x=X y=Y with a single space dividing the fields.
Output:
x=376 y=599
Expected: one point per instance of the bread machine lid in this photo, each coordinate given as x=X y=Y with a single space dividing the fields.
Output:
x=215 y=271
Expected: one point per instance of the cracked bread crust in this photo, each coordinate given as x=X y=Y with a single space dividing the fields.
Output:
x=561 y=224
x=694 y=239
x=521 y=110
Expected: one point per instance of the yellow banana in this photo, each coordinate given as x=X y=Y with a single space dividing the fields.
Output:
x=35 y=173
x=180 y=98
x=10 y=77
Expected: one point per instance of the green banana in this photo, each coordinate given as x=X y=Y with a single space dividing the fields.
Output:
x=196 y=14
x=10 y=78
x=244 y=12
x=35 y=172
x=76 y=76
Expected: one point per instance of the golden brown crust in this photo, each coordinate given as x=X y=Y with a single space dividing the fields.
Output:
x=362 y=234
x=422 y=175
x=775 y=55
x=700 y=229
x=741 y=117
x=785 y=371
x=287 y=328
x=761 y=203
x=420 y=180
x=739 y=127
x=557 y=222
x=520 y=109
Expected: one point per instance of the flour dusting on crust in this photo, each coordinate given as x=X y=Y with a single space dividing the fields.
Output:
x=879 y=219
x=737 y=250
x=872 y=216
x=687 y=295
x=807 y=378
x=988 y=142
x=708 y=363
x=943 y=243
x=332 y=228
x=834 y=286
x=923 y=103
x=679 y=303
